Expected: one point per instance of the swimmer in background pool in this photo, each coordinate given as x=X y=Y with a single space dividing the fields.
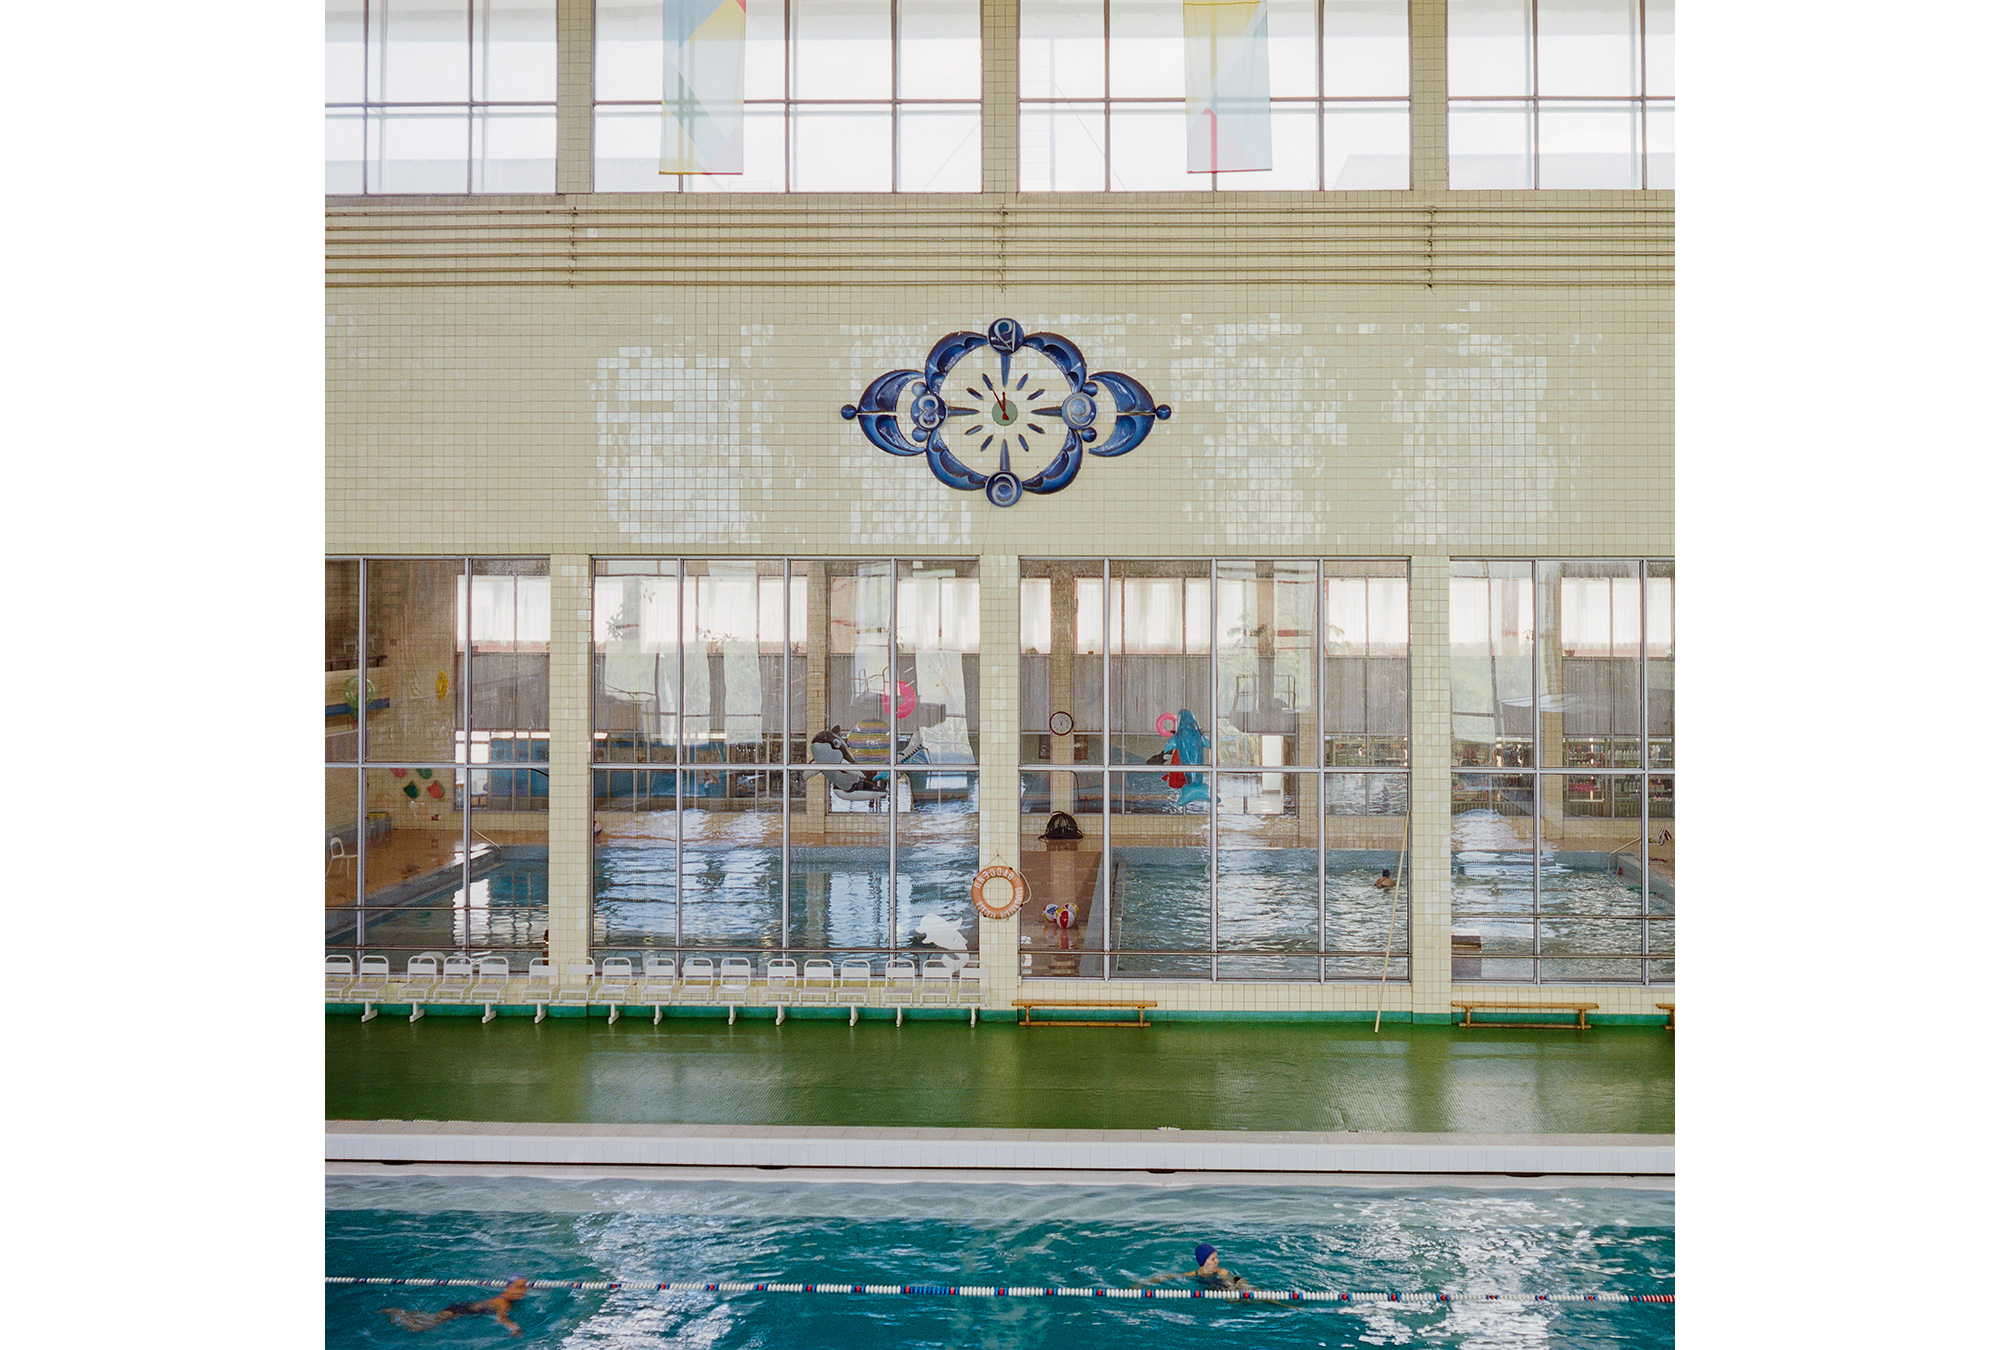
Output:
x=497 y=1307
x=1385 y=882
x=1207 y=1272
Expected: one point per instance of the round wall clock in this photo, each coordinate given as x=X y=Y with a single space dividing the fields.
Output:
x=1060 y=723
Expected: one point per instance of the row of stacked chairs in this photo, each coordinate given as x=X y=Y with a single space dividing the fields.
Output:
x=435 y=978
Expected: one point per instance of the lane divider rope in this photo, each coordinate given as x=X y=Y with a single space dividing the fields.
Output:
x=1003 y=1291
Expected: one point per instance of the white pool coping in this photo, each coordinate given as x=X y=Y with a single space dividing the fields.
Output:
x=999 y=1151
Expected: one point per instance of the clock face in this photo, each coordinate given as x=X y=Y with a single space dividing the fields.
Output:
x=1060 y=723
x=1006 y=411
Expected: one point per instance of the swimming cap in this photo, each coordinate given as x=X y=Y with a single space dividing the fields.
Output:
x=1202 y=1251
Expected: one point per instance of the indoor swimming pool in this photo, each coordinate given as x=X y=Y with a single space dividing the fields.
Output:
x=1462 y=1240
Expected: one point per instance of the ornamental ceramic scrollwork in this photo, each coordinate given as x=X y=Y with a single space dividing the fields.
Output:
x=1006 y=411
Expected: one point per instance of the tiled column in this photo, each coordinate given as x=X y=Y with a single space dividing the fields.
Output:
x=1000 y=761
x=1430 y=783
x=569 y=758
x=576 y=34
x=1428 y=162
x=999 y=96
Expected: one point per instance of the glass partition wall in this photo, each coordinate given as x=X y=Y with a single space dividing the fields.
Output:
x=1563 y=752
x=1215 y=768
x=437 y=670
x=784 y=756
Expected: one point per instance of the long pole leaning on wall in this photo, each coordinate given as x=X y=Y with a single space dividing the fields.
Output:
x=1396 y=897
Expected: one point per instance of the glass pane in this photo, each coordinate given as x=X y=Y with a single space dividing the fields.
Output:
x=1587 y=47
x=1293 y=49
x=732 y=826
x=1367 y=48
x=1062 y=872
x=423 y=49
x=1160 y=906
x=1062 y=148
x=1660 y=846
x=1266 y=877
x=343 y=849
x=634 y=880
x=507 y=906
x=938 y=49
x=1587 y=644
x=514 y=51
x=857 y=704
x=1159 y=629
x=627 y=152
x=1367 y=875
x=343 y=51
x=1492 y=677
x=939 y=149
x=636 y=662
x=412 y=867
x=1368 y=149
x=513 y=150
x=1062 y=49
x=1591 y=844
x=1492 y=845
x=764 y=49
x=1492 y=145
x=413 y=627
x=1488 y=48
x=936 y=707
x=509 y=638
x=1659 y=144
x=841 y=900
x=1589 y=145
x=732 y=661
x=631 y=61
x=1365 y=697
x=418 y=151
x=346 y=141
x=1660 y=48
x=840 y=48
x=343 y=660
x=1264 y=662
x=1149 y=149
x=1146 y=56
x=844 y=149
x=1659 y=665
x=937 y=855
x=763 y=157
x=1590 y=949
x=1294 y=154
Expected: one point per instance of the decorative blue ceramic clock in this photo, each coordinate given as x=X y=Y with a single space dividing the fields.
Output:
x=1021 y=410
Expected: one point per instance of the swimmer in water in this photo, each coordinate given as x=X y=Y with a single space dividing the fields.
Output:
x=1207 y=1272
x=497 y=1307
x=1385 y=882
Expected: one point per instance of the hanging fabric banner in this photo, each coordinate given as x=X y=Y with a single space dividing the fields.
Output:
x=701 y=128
x=1227 y=47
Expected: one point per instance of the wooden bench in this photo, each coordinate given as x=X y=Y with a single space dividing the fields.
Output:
x=1137 y=1005
x=1670 y=1013
x=1580 y=1009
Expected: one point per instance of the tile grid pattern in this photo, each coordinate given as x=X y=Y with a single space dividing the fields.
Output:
x=576 y=34
x=570 y=585
x=1428 y=154
x=1000 y=761
x=1430 y=784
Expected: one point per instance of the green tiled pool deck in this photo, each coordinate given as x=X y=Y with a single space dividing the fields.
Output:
x=1194 y=1076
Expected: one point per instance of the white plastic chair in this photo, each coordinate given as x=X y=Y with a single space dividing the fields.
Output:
x=336 y=851
x=369 y=985
x=857 y=985
x=657 y=987
x=969 y=989
x=899 y=985
x=734 y=986
x=698 y=980
x=781 y=984
x=420 y=978
x=817 y=988
x=339 y=976
x=456 y=981
x=541 y=984
x=614 y=984
x=490 y=985
x=575 y=989
x=934 y=989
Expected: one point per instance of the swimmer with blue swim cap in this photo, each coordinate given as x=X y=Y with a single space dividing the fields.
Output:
x=1207 y=1272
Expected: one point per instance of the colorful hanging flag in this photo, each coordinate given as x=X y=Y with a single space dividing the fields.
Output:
x=1227 y=48
x=701 y=127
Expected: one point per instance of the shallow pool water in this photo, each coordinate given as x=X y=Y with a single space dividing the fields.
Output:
x=1459 y=1240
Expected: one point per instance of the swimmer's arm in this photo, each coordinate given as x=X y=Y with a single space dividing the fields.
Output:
x=512 y=1328
x=1170 y=1275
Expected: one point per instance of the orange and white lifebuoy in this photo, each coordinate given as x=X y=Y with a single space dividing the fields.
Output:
x=1017 y=891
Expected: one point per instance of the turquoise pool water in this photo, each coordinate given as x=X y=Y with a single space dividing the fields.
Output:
x=1459 y=1240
